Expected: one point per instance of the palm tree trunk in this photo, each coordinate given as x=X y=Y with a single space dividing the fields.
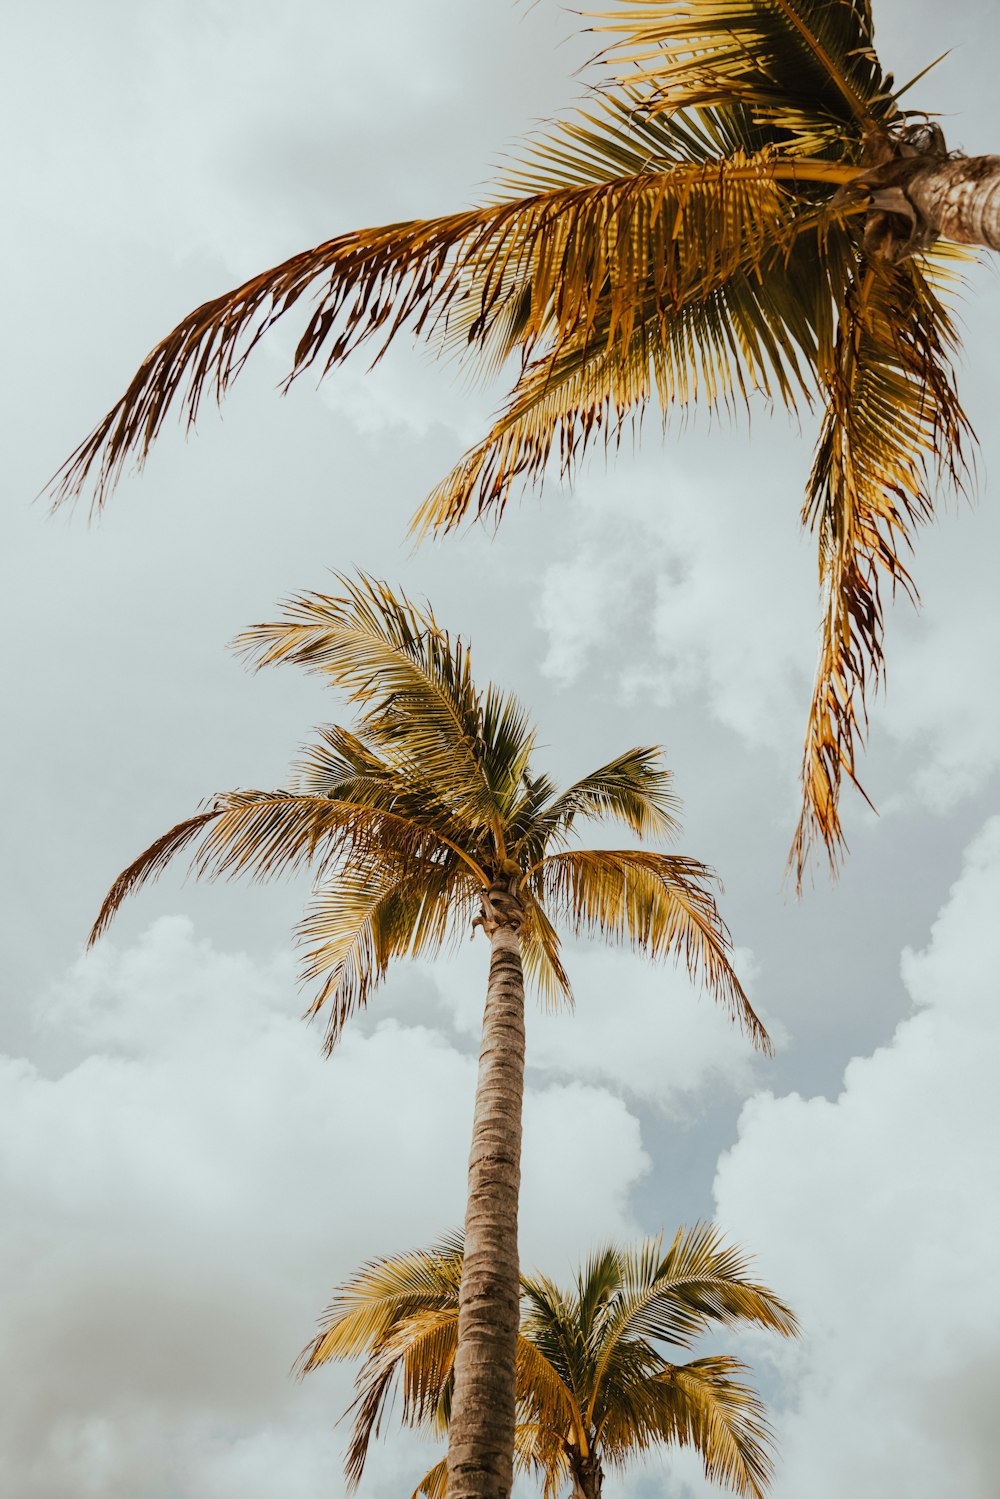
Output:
x=586 y=1473
x=960 y=199
x=481 y=1428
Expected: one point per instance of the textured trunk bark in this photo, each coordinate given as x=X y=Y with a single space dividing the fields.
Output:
x=960 y=199
x=587 y=1475
x=481 y=1428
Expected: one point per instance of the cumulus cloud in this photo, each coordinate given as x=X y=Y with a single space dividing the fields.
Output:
x=941 y=711
x=641 y=1029
x=181 y=1199
x=716 y=601
x=876 y=1214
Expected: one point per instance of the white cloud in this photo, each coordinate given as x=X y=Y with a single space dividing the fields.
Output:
x=941 y=708
x=181 y=1199
x=715 y=599
x=877 y=1216
x=639 y=1028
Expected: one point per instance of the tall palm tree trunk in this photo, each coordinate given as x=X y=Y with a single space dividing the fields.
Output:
x=960 y=199
x=481 y=1429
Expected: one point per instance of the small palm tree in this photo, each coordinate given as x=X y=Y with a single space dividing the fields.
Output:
x=593 y=1384
x=747 y=207
x=426 y=821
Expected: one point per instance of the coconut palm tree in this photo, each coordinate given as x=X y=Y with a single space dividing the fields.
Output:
x=747 y=206
x=426 y=821
x=594 y=1386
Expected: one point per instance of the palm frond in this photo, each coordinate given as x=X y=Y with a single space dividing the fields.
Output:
x=894 y=426
x=700 y=1281
x=807 y=70
x=588 y=1372
x=541 y=958
x=382 y=1294
x=421 y=707
x=402 y=1312
x=434 y=1484
x=550 y=261
x=263 y=834
x=703 y=1405
x=658 y=903
x=634 y=789
x=365 y=918
x=148 y=866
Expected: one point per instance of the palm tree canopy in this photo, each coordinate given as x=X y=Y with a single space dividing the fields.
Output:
x=409 y=817
x=593 y=1379
x=731 y=215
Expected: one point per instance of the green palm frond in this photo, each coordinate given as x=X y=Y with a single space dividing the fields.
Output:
x=658 y=903
x=893 y=424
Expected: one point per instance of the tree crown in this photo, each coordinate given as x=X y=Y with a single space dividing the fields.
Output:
x=409 y=818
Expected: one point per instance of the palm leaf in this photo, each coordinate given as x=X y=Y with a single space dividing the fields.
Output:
x=633 y=789
x=674 y=1297
x=365 y=918
x=808 y=69
x=657 y=903
x=421 y=704
x=893 y=424
x=541 y=958
x=587 y=1370
x=550 y=257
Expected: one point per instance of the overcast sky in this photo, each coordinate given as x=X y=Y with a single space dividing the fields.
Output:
x=184 y=1177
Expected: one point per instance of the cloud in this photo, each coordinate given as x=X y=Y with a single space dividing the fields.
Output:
x=941 y=710
x=641 y=1029
x=716 y=602
x=877 y=1215
x=181 y=1197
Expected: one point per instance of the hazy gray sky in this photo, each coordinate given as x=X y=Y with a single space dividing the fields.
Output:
x=184 y=1177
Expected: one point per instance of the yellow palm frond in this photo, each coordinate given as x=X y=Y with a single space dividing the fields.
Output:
x=434 y=1484
x=893 y=423
x=555 y=258
x=421 y=707
x=540 y=955
x=367 y=917
x=384 y=1292
x=797 y=66
x=634 y=789
x=658 y=903
x=590 y=1376
x=262 y=834
x=706 y=1406
x=674 y=1295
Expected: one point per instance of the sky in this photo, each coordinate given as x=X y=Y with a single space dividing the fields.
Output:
x=184 y=1176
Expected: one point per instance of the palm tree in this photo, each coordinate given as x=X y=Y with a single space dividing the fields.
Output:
x=593 y=1386
x=746 y=207
x=426 y=821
